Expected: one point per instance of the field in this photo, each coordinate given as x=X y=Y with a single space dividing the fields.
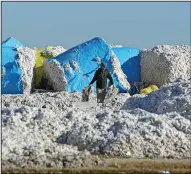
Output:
x=119 y=166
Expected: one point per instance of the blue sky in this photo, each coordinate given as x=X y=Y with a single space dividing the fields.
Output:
x=131 y=24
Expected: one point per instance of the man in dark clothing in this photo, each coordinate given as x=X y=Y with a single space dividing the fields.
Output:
x=101 y=77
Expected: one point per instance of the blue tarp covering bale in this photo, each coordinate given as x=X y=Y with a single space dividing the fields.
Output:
x=11 y=79
x=130 y=62
x=80 y=63
x=11 y=42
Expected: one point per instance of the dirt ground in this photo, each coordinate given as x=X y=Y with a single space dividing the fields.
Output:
x=120 y=166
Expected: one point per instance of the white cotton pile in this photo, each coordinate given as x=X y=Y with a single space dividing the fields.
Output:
x=55 y=75
x=165 y=63
x=28 y=140
x=54 y=51
x=26 y=61
x=175 y=97
x=153 y=125
x=144 y=128
x=116 y=69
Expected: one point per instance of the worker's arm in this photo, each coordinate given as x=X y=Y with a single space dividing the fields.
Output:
x=94 y=78
x=110 y=78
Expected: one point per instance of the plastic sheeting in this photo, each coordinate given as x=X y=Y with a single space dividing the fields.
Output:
x=39 y=67
x=149 y=89
x=41 y=56
x=11 y=80
x=130 y=62
x=81 y=62
x=11 y=42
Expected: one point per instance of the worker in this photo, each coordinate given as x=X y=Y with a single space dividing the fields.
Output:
x=100 y=77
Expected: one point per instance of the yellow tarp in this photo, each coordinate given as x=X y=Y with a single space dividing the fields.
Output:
x=38 y=67
x=149 y=89
x=39 y=64
x=154 y=87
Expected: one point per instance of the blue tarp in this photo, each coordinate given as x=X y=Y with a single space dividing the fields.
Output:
x=11 y=42
x=129 y=59
x=85 y=56
x=11 y=81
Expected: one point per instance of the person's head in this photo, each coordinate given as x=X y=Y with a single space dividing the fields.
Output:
x=103 y=65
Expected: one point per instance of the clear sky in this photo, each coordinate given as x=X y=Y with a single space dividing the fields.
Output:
x=131 y=24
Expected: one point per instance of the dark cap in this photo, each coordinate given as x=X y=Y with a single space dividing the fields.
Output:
x=103 y=64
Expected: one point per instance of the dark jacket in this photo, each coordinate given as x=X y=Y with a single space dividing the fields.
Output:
x=101 y=78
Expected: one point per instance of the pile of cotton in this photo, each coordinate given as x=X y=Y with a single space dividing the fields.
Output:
x=26 y=61
x=116 y=68
x=28 y=142
x=53 y=51
x=115 y=46
x=175 y=97
x=55 y=75
x=165 y=63
x=153 y=125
